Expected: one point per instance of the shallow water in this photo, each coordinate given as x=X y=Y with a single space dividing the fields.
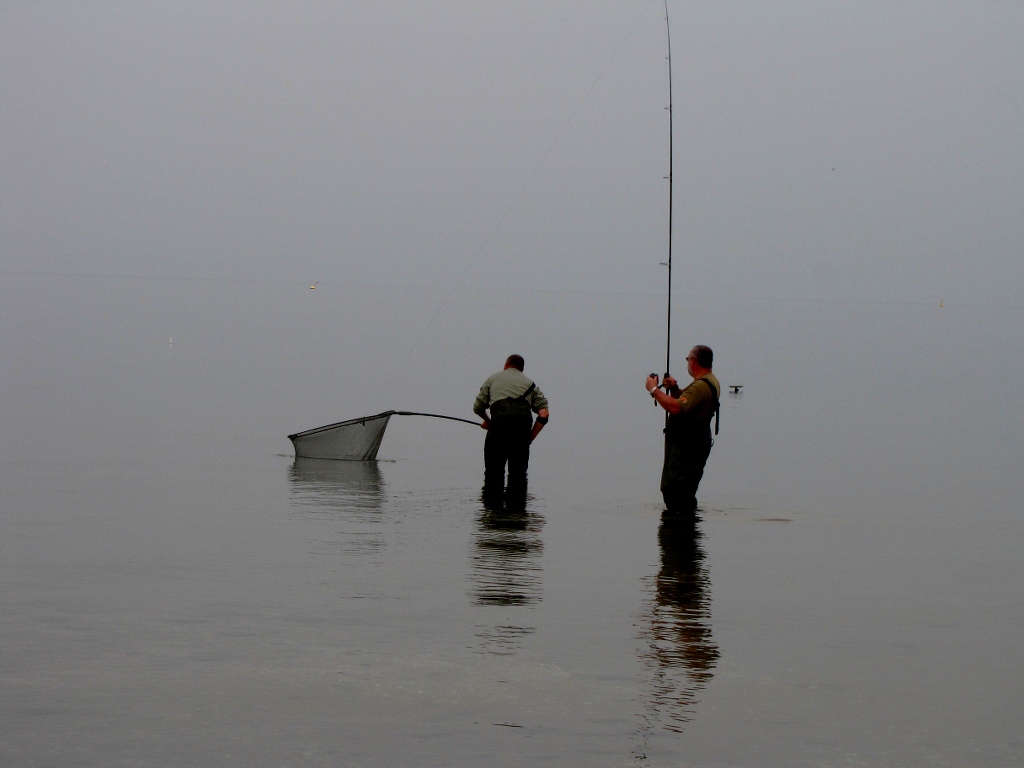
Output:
x=177 y=590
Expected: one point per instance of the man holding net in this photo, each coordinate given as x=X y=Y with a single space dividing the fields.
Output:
x=511 y=397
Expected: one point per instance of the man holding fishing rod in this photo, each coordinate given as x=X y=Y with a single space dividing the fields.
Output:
x=510 y=396
x=688 y=437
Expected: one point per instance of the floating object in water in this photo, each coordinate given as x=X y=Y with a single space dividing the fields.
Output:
x=735 y=388
x=941 y=304
x=352 y=440
x=314 y=285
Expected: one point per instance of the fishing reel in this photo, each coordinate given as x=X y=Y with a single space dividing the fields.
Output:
x=660 y=386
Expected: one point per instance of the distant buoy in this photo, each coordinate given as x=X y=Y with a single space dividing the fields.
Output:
x=941 y=304
x=313 y=286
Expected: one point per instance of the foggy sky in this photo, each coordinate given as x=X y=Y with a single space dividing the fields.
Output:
x=854 y=150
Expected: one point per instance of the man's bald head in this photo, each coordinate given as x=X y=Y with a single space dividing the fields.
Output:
x=515 y=361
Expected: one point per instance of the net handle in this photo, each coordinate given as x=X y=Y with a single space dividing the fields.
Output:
x=436 y=416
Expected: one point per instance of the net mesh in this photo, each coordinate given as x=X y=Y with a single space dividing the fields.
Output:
x=352 y=440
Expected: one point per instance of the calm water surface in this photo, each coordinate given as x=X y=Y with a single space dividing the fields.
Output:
x=177 y=590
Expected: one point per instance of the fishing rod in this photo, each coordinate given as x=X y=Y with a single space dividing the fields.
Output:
x=668 y=331
x=668 y=322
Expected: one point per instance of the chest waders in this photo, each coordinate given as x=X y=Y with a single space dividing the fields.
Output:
x=508 y=442
x=688 y=442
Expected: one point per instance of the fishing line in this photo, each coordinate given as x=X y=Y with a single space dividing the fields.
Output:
x=147 y=278
x=511 y=205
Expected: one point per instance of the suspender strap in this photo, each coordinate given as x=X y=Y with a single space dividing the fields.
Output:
x=513 y=406
x=718 y=404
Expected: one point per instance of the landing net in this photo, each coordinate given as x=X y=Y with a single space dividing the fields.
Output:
x=352 y=440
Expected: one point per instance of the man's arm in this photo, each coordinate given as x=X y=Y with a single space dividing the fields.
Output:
x=539 y=422
x=539 y=404
x=483 y=400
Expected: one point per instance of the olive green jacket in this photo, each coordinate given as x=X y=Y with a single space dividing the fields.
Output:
x=508 y=384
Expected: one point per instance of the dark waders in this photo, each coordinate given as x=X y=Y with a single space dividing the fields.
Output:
x=680 y=492
x=688 y=444
x=508 y=442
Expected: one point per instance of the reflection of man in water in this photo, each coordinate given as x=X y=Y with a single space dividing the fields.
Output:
x=506 y=559
x=688 y=430
x=510 y=396
x=680 y=652
x=506 y=572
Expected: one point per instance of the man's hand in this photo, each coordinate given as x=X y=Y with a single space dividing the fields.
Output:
x=485 y=424
x=670 y=399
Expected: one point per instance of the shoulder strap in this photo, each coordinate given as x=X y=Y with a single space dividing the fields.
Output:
x=526 y=394
x=714 y=394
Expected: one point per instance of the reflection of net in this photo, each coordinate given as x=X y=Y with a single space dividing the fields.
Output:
x=678 y=650
x=506 y=566
x=349 y=493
